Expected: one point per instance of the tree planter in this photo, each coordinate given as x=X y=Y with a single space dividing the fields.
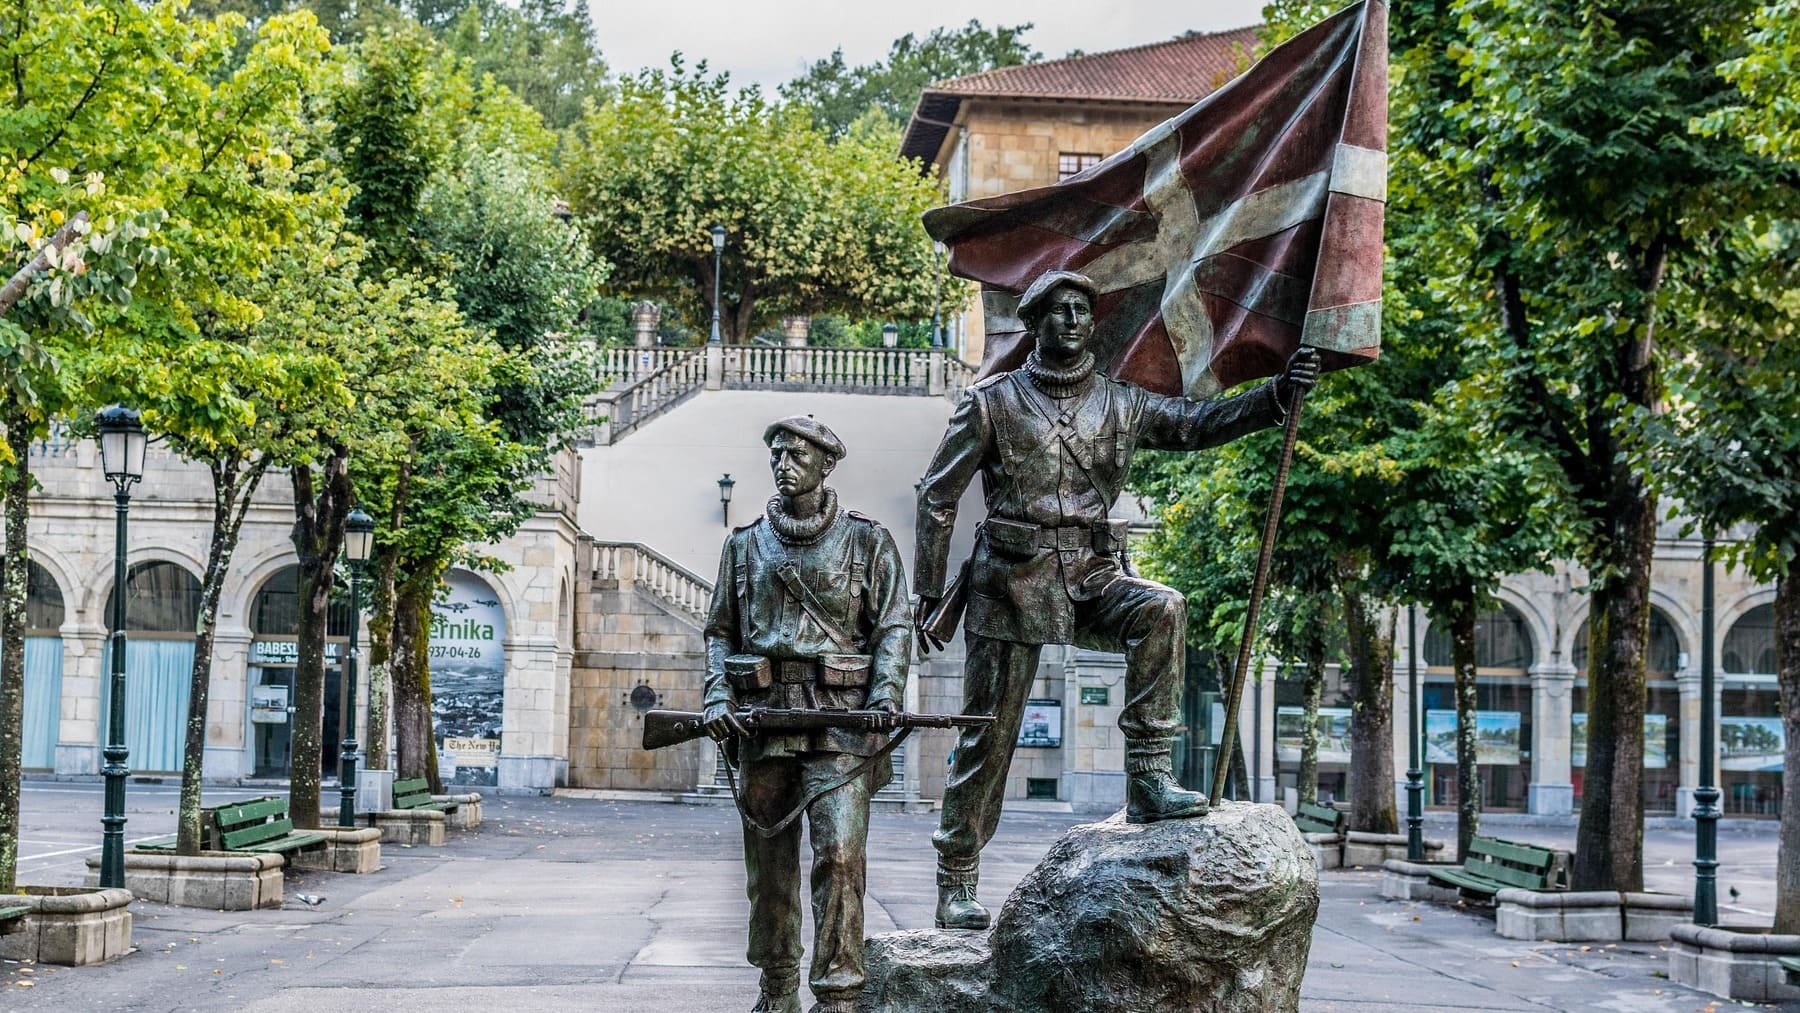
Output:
x=468 y=810
x=1733 y=962
x=69 y=925
x=1403 y=880
x=1327 y=849
x=409 y=826
x=1362 y=848
x=220 y=880
x=347 y=849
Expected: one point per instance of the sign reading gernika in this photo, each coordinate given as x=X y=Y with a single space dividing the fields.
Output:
x=468 y=676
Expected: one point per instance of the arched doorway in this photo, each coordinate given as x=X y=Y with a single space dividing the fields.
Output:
x=161 y=613
x=275 y=622
x=43 y=668
x=1662 y=714
x=468 y=679
x=1751 y=736
x=1503 y=709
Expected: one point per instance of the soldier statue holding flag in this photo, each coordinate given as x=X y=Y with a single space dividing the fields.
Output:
x=1053 y=442
x=1205 y=255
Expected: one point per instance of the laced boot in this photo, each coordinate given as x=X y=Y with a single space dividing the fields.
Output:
x=957 y=907
x=780 y=993
x=1151 y=792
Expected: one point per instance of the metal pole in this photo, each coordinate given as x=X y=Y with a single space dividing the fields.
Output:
x=1706 y=795
x=112 y=837
x=1415 y=774
x=717 y=254
x=347 y=761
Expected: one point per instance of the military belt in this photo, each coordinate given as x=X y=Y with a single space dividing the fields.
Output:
x=791 y=673
x=1066 y=539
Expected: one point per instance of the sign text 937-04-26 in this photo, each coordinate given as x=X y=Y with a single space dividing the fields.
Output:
x=454 y=651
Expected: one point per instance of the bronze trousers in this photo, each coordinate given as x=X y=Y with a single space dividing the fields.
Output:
x=839 y=824
x=1145 y=620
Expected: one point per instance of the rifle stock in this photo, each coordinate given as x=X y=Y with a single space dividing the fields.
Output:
x=671 y=728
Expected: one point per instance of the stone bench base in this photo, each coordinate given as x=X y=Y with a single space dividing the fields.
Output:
x=68 y=925
x=410 y=826
x=222 y=881
x=1363 y=848
x=1404 y=880
x=1733 y=963
x=347 y=849
x=1564 y=916
x=468 y=810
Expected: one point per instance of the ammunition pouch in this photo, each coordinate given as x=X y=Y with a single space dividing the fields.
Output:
x=1017 y=539
x=749 y=673
x=844 y=671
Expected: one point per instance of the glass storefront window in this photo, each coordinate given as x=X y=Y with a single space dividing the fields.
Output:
x=275 y=619
x=1503 y=705
x=1752 y=740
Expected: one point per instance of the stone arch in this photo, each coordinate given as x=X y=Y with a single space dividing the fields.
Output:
x=1435 y=653
x=57 y=568
x=99 y=585
x=1578 y=643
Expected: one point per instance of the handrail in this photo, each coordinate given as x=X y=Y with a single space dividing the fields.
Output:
x=636 y=564
x=614 y=413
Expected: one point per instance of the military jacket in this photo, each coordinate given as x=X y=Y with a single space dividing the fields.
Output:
x=853 y=574
x=1056 y=466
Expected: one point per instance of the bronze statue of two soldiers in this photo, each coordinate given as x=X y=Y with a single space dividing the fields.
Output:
x=810 y=629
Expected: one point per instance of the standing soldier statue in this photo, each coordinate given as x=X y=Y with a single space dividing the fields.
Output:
x=808 y=622
x=1052 y=442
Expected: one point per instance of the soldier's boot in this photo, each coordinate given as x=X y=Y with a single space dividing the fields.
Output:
x=1151 y=792
x=780 y=992
x=835 y=1004
x=957 y=907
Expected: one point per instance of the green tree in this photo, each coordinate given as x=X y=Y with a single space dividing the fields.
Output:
x=812 y=226
x=543 y=51
x=838 y=94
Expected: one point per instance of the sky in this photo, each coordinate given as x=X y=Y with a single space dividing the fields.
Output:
x=768 y=42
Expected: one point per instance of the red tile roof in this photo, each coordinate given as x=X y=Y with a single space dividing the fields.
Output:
x=1179 y=71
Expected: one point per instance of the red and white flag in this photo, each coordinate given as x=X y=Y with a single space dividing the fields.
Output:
x=1225 y=237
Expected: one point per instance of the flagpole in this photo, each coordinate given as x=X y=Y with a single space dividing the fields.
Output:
x=1258 y=585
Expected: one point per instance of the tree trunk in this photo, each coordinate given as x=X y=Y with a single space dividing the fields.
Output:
x=1461 y=615
x=234 y=485
x=381 y=626
x=1609 y=839
x=1312 y=692
x=1371 y=650
x=411 y=667
x=15 y=581
x=318 y=537
x=1787 y=664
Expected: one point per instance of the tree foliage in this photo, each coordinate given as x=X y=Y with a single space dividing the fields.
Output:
x=812 y=226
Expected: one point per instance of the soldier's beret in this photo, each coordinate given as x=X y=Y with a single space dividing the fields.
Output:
x=1049 y=282
x=809 y=429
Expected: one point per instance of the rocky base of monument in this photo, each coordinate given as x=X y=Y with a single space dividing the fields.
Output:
x=1214 y=913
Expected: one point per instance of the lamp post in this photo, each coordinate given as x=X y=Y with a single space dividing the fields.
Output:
x=359 y=538
x=725 y=484
x=122 y=444
x=937 y=298
x=1706 y=795
x=890 y=335
x=718 y=238
x=1415 y=775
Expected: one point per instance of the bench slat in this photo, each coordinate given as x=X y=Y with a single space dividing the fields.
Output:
x=1464 y=881
x=156 y=844
x=256 y=834
x=255 y=810
x=292 y=842
x=7 y=914
x=1791 y=965
x=1506 y=875
x=1508 y=851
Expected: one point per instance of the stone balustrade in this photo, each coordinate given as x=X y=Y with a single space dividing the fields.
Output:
x=633 y=564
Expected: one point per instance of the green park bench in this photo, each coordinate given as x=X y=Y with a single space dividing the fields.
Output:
x=1790 y=966
x=1314 y=818
x=415 y=793
x=258 y=825
x=1493 y=865
x=10 y=917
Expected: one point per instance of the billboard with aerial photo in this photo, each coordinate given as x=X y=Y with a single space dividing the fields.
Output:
x=1334 y=734
x=1656 y=740
x=1496 y=737
x=468 y=678
x=1751 y=743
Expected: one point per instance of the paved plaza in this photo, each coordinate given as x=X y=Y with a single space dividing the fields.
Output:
x=638 y=906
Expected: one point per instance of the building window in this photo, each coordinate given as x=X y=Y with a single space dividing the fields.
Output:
x=1503 y=710
x=1068 y=163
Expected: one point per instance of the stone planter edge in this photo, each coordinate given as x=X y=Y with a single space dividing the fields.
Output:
x=69 y=926
x=347 y=849
x=1404 y=880
x=1733 y=963
x=219 y=880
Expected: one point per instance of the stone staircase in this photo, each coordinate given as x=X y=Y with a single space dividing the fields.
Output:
x=644 y=383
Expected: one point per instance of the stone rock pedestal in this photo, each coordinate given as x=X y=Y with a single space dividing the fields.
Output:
x=222 y=881
x=68 y=925
x=347 y=849
x=409 y=826
x=1212 y=914
x=1733 y=963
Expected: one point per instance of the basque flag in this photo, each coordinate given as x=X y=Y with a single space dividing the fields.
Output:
x=1222 y=239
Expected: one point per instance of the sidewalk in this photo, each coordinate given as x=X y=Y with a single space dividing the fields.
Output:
x=558 y=904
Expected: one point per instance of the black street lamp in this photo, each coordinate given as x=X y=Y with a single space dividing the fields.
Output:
x=725 y=484
x=122 y=444
x=718 y=238
x=359 y=538
x=1706 y=794
x=1415 y=775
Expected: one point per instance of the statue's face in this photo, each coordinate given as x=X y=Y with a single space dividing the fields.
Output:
x=799 y=466
x=1064 y=324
